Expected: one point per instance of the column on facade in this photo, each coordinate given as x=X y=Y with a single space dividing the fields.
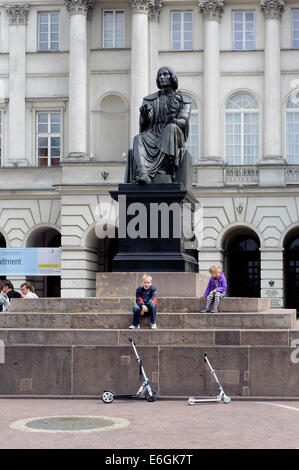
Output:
x=17 y=15
x=154 y=17
x=272 y=95
x=272 y=275
x=139 y=60
x=212 y=11
x=78 y=77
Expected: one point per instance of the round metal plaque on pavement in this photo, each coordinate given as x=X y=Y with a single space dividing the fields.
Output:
x=73 y=424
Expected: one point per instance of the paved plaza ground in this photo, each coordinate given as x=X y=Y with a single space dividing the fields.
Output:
x=164 y=424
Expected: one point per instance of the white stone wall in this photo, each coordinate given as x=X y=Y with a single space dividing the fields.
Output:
x=33 y=197
x=271 y=216
x=25 y=213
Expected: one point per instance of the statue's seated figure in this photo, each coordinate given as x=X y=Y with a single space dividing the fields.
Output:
x=159 y=149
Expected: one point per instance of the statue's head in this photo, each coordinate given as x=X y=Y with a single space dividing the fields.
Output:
x=173 y=77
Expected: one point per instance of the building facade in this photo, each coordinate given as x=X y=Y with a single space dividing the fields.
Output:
x=72 y=77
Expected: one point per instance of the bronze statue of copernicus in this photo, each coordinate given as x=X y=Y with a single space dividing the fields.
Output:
x=164 y=127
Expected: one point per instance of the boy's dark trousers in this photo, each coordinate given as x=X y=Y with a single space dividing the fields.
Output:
x=152 y=308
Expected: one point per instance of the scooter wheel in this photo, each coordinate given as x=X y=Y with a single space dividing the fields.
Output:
x=107 y=396
x=191 y=401
x=226 y=399
x=153 y=397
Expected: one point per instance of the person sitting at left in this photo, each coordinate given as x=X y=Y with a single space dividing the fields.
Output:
x=146 y=301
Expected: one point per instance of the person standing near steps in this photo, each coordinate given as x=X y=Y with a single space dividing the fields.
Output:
x=4 y=300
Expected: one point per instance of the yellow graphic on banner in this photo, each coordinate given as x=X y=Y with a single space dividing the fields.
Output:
x=43 y=266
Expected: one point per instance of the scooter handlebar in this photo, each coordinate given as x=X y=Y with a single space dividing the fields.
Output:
x=131 y=341
x=205 y=357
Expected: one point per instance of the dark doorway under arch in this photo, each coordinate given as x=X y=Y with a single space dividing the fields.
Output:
x=2 y=245
x=45 y=237
x=244 y=265
x=291 y=270
x=2 y=241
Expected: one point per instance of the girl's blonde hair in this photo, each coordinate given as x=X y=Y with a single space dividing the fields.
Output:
x=147 y=276
x=215 y=268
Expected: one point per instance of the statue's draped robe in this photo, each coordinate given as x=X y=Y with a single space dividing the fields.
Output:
x=159 y=146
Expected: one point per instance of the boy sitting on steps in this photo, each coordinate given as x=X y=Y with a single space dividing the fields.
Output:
x=146 y=301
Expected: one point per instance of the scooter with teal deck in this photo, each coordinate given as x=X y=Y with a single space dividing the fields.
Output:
x=145 y=389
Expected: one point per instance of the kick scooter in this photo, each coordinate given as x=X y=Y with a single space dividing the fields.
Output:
x=220 y=397
x=149 y=394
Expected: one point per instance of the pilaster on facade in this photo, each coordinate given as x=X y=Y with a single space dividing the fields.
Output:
x=272 y=78
x=155 y=7
x=17 y=14
x=78 y=78
x=272 y=9
x=139 y=59
x=141 y=6
x=211 y=9
x=79 y=7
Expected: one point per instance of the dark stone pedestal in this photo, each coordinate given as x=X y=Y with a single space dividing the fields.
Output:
x=151 y=234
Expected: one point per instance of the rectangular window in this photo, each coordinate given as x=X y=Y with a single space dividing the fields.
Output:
x=243 y=30
x=182 y=30
x=292 y=137
x=233 y=138
x=48 y=139
x=295 y=29
x=114 y=29
x=242 y=138
x=48 y=31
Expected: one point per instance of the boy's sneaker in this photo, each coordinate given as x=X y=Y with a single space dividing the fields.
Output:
x=204 y=311
x=214 y=310
x=153 y=326
x=133 y=327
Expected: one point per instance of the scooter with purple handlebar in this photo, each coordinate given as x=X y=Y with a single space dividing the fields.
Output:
x=221 y=397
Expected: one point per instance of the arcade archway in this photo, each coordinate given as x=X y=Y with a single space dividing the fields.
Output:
x=2 y=245
x=45 y=237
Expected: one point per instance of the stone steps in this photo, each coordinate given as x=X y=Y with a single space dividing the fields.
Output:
x=125 y=304
x=79 y=347
x=147 y=337
x=274 y=319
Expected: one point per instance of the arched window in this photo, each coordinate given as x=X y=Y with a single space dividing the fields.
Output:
x=292 y=130
x=242 y=130
x=192 y=143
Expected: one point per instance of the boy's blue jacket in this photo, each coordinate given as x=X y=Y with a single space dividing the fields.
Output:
x=220 y=285
x=145 y=296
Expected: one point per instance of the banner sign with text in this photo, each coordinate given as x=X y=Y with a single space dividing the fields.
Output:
x=30 y=261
